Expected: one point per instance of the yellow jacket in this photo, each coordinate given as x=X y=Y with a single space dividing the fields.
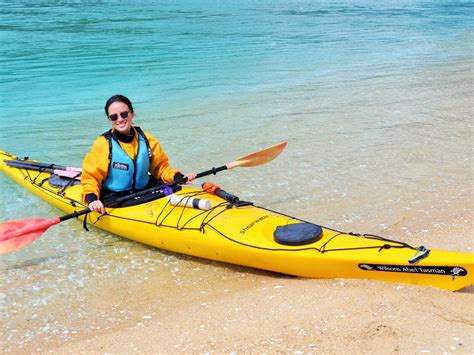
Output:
x=96 y=163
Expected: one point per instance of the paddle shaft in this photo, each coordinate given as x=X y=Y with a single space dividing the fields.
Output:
x=30 y=164
x=199 y=175
x=75 y=214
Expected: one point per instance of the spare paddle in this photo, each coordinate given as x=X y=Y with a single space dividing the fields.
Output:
x=16 y=234
x=65 y=171
x=28 y=163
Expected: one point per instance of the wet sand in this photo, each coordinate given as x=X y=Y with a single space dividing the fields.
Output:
x=248 y=310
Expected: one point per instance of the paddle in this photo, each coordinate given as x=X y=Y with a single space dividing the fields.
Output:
x=19 y=233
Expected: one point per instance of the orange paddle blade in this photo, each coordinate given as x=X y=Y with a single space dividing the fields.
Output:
x=258 y=158
x=16 y=234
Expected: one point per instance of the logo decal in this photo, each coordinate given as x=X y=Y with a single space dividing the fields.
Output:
x=120 y=166
x=458 y=271
x=438 y=270
x=258 y=220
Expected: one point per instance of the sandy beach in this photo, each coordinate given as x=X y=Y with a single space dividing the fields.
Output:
x=290 y=315
x=245 y=310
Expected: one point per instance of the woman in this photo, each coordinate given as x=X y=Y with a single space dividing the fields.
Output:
x=123 y=158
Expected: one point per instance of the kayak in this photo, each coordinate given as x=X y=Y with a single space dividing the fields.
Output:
x=199 y=223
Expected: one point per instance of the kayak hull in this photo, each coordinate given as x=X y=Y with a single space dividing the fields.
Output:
x=245 y=236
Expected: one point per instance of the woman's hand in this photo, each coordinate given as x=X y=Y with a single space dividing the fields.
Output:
x=190 y=177
x=97 y=206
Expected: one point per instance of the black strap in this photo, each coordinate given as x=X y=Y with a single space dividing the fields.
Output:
x=84 y=222
x=108 y=135
x=147 y=143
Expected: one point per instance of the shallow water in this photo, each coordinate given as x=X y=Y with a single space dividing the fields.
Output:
x=375 y=100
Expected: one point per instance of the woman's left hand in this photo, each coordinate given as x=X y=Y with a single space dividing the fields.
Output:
x=190 y=177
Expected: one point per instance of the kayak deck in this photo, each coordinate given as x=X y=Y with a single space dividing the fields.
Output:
x=245 y=235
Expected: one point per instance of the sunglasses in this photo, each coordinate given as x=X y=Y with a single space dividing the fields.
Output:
x=114 y=117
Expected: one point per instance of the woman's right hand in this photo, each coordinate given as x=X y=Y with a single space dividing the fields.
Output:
x=190 y=177
x=97 y=206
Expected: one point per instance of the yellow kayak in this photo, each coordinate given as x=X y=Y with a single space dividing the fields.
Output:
x=204 y=225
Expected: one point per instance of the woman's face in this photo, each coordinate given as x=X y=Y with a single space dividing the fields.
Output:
x=116 y=112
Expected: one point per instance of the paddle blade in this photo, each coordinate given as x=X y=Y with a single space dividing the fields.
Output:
x=258 y=158
x=16 y=234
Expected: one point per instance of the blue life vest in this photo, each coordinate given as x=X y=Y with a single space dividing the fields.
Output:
x=126 y=173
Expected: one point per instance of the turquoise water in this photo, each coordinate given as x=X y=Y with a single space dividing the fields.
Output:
x=374 y=98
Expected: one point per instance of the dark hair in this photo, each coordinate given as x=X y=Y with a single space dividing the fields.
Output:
x=118 y=98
